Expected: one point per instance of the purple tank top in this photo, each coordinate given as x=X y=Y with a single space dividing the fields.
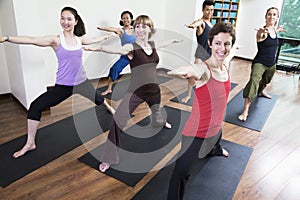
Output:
x=70 y=70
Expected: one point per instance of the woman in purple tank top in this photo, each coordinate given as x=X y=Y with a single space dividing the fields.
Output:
x=143 y=87
x=71 y=77
x=264 y=64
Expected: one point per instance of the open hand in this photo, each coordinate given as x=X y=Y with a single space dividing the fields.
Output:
x=2 y=39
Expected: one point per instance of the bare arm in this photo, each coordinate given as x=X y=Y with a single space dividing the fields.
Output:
x=195 y=71
x=122 y=50
x=280 y=29
x=167 y=43
x=111 y=29
x=195 y=24
x=42 y=41
x=93 y=40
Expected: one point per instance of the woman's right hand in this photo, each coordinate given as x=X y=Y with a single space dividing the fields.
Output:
x=3 y=39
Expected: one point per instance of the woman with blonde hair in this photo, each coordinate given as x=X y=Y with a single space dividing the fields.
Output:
x=143 y=58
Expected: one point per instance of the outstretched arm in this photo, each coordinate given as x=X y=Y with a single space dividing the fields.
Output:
x=195 y=24
x=167 y=43
x=43 y=41
x=123 y=50
x=194 y=71
x=280 y=29
x=93 y=40
x=111 y=29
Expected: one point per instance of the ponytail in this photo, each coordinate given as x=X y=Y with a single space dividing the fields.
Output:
x=79 y=29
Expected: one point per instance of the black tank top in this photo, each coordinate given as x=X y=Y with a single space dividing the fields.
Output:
x=202 y=39
x=143 y=71
x=266 y=53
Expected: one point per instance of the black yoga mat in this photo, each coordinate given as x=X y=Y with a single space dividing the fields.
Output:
x=259 y=111
x=211 y=178
x=146 y=145
x=120 y=88
x=190 y=102
x=52 y=141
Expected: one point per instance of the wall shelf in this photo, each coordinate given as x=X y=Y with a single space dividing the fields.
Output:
x=225 y=10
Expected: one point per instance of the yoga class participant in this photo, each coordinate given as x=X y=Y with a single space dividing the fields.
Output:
x=126 y=36
x=203 y=130
x=143 y=58
x=203 y=51
x=70 y=77
x=264 y=63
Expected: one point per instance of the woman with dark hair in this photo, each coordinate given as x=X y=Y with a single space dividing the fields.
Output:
x=203 y=130
x=143 y=58
x=70 y=77
x=264 y=64
x=127 y=37
x=203 y=51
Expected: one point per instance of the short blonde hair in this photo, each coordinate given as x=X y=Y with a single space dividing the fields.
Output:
x=144 y=19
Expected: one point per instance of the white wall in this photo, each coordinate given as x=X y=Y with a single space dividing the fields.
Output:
x=251 y=15
x=4 y=78
x=31 y=69
x=12 y=58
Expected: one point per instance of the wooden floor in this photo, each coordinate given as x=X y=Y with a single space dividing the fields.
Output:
x=273 y=171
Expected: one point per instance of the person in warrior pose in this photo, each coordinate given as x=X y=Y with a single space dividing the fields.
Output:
x=203 y=130
x=143 y=58
x=264 y=63
x=70 y=77
x=126 y=36
x=203 y=51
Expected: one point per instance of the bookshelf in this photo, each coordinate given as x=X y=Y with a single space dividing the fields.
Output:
x=225 y=10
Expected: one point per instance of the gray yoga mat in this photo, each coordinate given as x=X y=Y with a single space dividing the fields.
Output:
x=259 y=111
x=52 y=141
x=146 y=147
x=212 y=178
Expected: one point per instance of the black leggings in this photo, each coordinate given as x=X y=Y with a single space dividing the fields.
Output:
x=190 y=150
x=59 y=93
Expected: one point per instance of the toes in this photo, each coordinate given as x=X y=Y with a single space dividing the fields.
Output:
x=242 y=118
x=168 y=125
x=103 y=167
x=225 y=153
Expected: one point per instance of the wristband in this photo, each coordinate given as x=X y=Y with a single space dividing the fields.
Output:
x=7 y=39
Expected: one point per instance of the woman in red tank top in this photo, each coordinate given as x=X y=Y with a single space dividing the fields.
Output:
x=203 y=129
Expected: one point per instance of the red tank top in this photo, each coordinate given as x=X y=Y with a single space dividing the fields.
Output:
x=208 y=110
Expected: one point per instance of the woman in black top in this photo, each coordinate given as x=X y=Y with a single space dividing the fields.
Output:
x=264 y=63
x=143 y=60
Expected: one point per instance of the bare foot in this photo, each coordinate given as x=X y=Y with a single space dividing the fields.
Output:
x=168 y=125
x=104 y=166
x=225 y=152
x=264 y=94
x=24 y=150
x=186 y=99
x=243 y=117
x=108 y=91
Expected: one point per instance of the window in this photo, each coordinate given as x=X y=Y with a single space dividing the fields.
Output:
x=290 y=20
